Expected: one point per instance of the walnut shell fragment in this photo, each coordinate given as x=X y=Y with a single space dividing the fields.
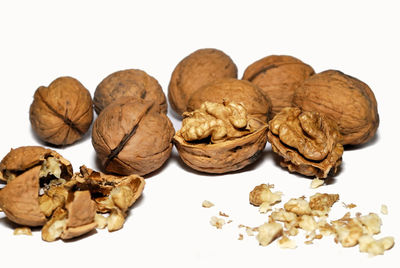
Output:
x=278 y=76
x=233 y=90
x=61 y=113
x=308 y=142
x=344 y=99
x=196 y=70
x=218 y=138
x=131 y=138
x=132 y=83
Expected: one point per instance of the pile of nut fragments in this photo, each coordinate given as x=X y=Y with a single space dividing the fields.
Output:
x=313 y=218
x=307 y=117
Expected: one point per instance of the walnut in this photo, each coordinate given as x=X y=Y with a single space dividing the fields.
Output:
x=263 y=197
x=232 y=90
x=132 y=83
x=278 y=77
x=287 y=243
x=131 y=138
x=268 y=232
x=375 y=247
x=384 y=209
x=344 y=99
x=23 y=231
x=207 y=204
x=61 y=113
x=315 y=183
x=219 y=138
x=196 y=70
x=27 y=170
x=217 y=222
x=308 y=142
x=299 y=206
x=320 y=204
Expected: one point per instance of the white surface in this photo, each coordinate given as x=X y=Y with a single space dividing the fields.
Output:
x=42 y=40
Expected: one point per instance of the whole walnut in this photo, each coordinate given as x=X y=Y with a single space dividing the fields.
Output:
x=229 y=89
x=61 y=113
x=219 y=138
x=345 y=99
x=131 y=137
x=196 y=70
x=132 y=83
x=278 y=77
x=308 y=142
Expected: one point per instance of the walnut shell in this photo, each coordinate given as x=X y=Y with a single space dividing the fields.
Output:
x=345 y=99
x=278 y=77
x=24 y=158
x=61 y=113
x=132 y=83
x=131 y=138
x=221 y=145
x=308 y=142
x=233 y=90
x=196 y=70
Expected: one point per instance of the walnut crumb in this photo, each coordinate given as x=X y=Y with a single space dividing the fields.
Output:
x=207 y=204
x=223 y=214
x=268 y=232
x=384 y=209
x=315 y=183
x=349 y=206
x=230 y=221
x=217 y=222
x=240 y=237
x=287 y=243
x=22 y=231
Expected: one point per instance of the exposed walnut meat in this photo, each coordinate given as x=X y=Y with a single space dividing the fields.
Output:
x=101 y=221
x=372 y=223
x=268 y=232
x=219 y=138
x=299 y=206
x=218 y=121
x=375 y=247
x=283 y=215
x=62 y=112
x=320 y=204
x=22 y=231
x=287 y=243
x=278 y=76
x=263 y=197
x=217 y=222
x=250 y=96
x=129 y=83
x=307 y=223
x=53 y=198
x=196 y=70
x=308 y=142
x=77 y=219
x=207 y=204
x=344 y=99
x=384 y=209
x=116 y=220
x=315 y=183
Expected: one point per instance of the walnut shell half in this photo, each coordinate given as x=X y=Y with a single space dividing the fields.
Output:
x=278 y=77
x=196 y=70
x=233 y=90
x=223 y=142
x=308 y=142
x=61 y=113
x=344 y=99
x=132 y=83
x=132 y=138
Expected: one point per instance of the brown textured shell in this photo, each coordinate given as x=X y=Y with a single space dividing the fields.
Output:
x=233 y=90
x=61 y=113
x=26 y=157
x=131 y=138
x=19 y=199
x=278 y=76
x=345 y=99
x=308 y=142
x=222 y=157
x=196 y=70
x=132 y=83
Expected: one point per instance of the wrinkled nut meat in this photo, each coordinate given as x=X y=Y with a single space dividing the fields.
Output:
x=132 y=83
x=263 y=197
x=61 y=113
x=232 y=90
x=344 y=99
x=219 y=138
x=278 y=77
x=308 y=142
x=131 y=138
x=26 y=170
x=196 y=70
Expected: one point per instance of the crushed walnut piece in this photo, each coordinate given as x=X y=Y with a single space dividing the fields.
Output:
x=263 y=197
x=268 y=232
x=315 y=183
x=240 y=237
x=384 y=209
x=217 y=222
x=222 y=214
x=349 y=206
x=22 y=231
x=207 y=204
x=375 y=247
x=287 y=243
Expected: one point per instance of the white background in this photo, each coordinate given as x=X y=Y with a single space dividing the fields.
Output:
x=42 y=40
